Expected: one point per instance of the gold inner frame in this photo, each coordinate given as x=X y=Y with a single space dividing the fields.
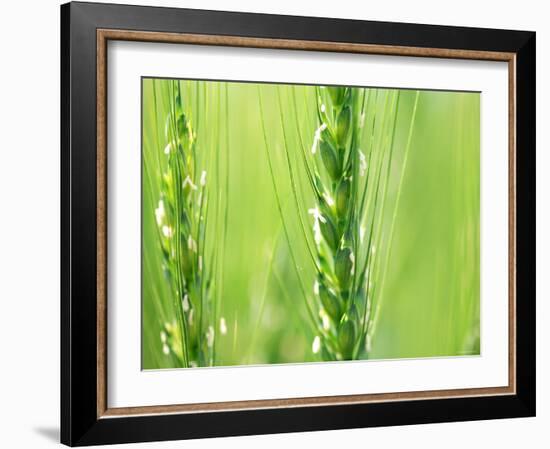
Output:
x=104 y=35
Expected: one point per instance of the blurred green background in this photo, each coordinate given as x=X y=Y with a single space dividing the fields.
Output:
x=429 y=301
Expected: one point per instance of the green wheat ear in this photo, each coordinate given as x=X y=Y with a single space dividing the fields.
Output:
x=349 y=203
x=347 y=190
x=338 y=113
x=181 y=219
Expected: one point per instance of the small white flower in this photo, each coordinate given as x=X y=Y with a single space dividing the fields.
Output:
x=187 y=181
x=160 y=212
x=317 y=232
x=210 y=336
x=326 y=320
x=323 y=108
x=316 y=346
x=317 y=215
x=185 y=303
x=167 y=231
x=163 y=336
x=316 y=287
x=168 y=148
x=328 y=199
x=191 y=244
x=203 y=178
x=223 y=326
x=317 y=137
x=165 y=349
x=362 y=163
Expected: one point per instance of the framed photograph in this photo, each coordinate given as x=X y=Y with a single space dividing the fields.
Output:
x=279 y=224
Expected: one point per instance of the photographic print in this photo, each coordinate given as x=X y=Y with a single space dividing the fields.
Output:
x=317 y=223
x=290 y=223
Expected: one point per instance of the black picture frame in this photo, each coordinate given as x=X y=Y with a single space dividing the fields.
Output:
x=81 y=424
